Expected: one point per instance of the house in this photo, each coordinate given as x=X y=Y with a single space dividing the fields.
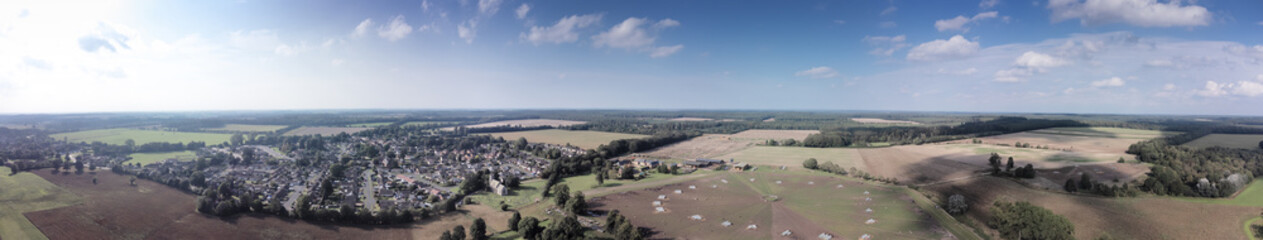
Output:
x=497 y=187
x=740 y=167
x=710 y=161
x=645 y=163
x=695 y=164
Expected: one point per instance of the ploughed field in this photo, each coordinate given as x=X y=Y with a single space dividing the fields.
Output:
x=805 y=204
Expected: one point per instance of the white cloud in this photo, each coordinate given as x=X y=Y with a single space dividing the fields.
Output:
x=889 y=10
x=362 y=28
x=1012 y=75
x=1241 y=88
x=1169 y=87
x=489 y=7
x=818 y=73
x=467 y=31
x=952 y=48
x=561 y=32
x=659 y=52
x=1039 y=61
x=967 y=71
x=1251 y=89
x=958 y=23
x=985 y=4
x=523 y=10
x=1111 y=82
x=254 y=40
x=886 y=45
x=397 y=29
x=666 y=23
x=1144 y=13
x=425 y=5
x=288 y=50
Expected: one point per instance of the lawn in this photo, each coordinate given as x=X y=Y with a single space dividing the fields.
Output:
x=1244 y=141
x=26 y=192
x=793 y=157
x=246 y=128
x=148 y=158
x=582 y=139
x=117 y=136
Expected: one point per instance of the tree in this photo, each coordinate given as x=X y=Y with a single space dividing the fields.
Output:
x=447 y=235
x=627 y=173
x=513 y=221
x=1070 y=186
x=1260 y=144
x=600 y=179
x=1121 y=160
x=1085 y=182
x=1021 y=220
x=131 y=144
x=237 y=139
x=479 y=230
x=529 y=228
x=93 y=180
x=458 y=232
x=1009 y=167
x=612 y=221
x=561 y=194
x=995 y=163
x=576 y=204
x=810 y=164
x=956 y=204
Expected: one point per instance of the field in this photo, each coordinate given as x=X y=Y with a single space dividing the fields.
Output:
x=689 y=119
x=717 y=145
x=427 y=123
x=1252 y=196
x=1078 y=140
x=793 y=157
x=760 y=134
x=1245 y=141
x=247 y=128
x=118 y=136
x=884 y=121
x=530 y=191
x=26 y=192
x=807 y=205
x=582 y=139
x=528 y=123
x=369 y=124
x=148 y=158
x=323 y=131
x=1106 y=132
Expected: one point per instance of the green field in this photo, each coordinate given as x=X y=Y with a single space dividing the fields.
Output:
x=1105 y=132
x=1252 y=196
x=26 y=192
x=147 y=158
x=117 y=136
x=1244 y=141
x=428 y=123
x=246 y=128
x=370 y=124
x=582 y=139
x=531 y=190
x=793 y=157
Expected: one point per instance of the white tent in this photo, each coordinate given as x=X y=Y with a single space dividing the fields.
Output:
x=659 y=203
x=662 y=197
x=659 y=209
x=811 y=183
x=696 y=217
x=723 y=180
x=751 y=180
x=692 y=187
x=786 y=233
x=714 y=186
x=865 y=192
x=726 y=224
x=866 y=237
x=839 y=185
x=870 y=221
x=870 y=210
x=868 y=199
x=778 y=181
x=752 y=226
x=677 y=191
x=825 y=236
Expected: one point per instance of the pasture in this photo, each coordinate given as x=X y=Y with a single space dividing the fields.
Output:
x=27 y=192
x=807 y=205
x=717 y=145
x=529 y=192
x=323 y=131
x=793 y=157
x=117 y=136
x=1243 y=141
x=246 y=128
x=149 y=158
x=582 y=139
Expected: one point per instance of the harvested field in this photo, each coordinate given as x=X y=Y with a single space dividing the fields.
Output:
x=1121 y=218
x=529 y=123
x=323 y=131
x=148 y=158
x=796 y=204
x=690 y=119
x=1042 y=158
x=884 y=121
x=1243 y=141
x=762 y=134
x=1072 y=143
x=705 y=146
x=115 y=210
x=118 y=136
x=27 y=192
x=370 y=124
x=1105 y=132
x=582 y=139
x=247 y=128
x=918 y=164
x=793 y=157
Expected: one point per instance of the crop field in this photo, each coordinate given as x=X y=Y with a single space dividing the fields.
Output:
x=793 y=157
x=582 y=139
x=1079 y=140
x=1106 y=132
x=428 y=123
x=323 y=131
x=117 y=136
x=27 y=192
x=1245 y=141
x=529 y=192
x=148 y=158
x=884 y=121
x=529 y=123
x=762 y=134
x=369 y=124
x=690 y=119
x=247 y=128
x=805 y=205
x=717 y=145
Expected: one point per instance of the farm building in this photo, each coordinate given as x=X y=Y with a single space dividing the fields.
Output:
x=645 y=163
x=695 y=164
x=710 y=161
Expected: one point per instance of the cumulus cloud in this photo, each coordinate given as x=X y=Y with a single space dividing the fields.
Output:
x=1144 y=13
x=1240 y=88
x=489 y=7
x=889 y=10
x=467 y=31
x=952 y=48
x=362 y=28
x=104 y=36
x=1039 y=61
x=561 y=32
x=522 y=11
x=885 y=45
x=985 y=4
x=1111 y=82
x=958 y=23
x=818 y=73
x=659 y=52
x=634 y=34
x=397 y=29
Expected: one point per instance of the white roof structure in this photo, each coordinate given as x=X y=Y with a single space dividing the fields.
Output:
x=825 y=236
x=839 y=185
x=659 y=203
x=662 y=197
x=865 y=192
x=659 y=209
x=811 y=182
x=752 y=226
x=726 y=224
x=696 y=217
x=723 y=180
x=692 y=187
x=786 y=233
x=870 y=221
x=778 y=181
x=868 y=199
x=714 y=186
x=751 y=180
x=870 y=210
x=677 y=191
x=866 y=237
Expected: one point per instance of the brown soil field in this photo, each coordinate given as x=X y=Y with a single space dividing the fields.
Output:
x=1078 y=144
x=883 y=121
x=763 y=134
x=528 y=123
x=113 y=209
x=918 y=164
x=1121 y=218
x=709 y=145
x=323 y=131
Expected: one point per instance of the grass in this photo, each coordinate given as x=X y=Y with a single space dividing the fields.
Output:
x=1245 y=141
x=1248 y=225
x=1105 y=132
x=582 y=139
x=26 y=192
x=370 y=124
x=117 y=136
x=793 y=157
x=1030 y=153
x=246 y=128
x=1252 y=196
x=529 y=191
x=958 y=229
x=148 y=158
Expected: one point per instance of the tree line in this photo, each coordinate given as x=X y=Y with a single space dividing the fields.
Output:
x=844 y=137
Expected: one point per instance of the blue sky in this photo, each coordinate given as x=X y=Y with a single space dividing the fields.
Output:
x=1078 y=56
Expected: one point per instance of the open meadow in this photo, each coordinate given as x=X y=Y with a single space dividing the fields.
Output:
x=27 y=192
x=246 y=128
x=148 y=158
x=323 y=131
x=793 y=157
x=118 y=136
x=1243 y=141
x=582 y=139
x=717 y=145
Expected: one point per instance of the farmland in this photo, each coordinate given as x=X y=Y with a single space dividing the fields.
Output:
x=148 y=158
x=246 y=128
x=884 y=121
x=690 y=119
x=716 y=145
x=1249 y=197
x=1105 y=132
x=759 y=134
x=324 y=131
x=1245 y=141
x=582 y=139
x=118 y=136
x=369 y=124
x=26 y=192
x=528 y=123
x=792 y=157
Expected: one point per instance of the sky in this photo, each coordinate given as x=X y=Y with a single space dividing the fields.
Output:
x=1202 y=57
